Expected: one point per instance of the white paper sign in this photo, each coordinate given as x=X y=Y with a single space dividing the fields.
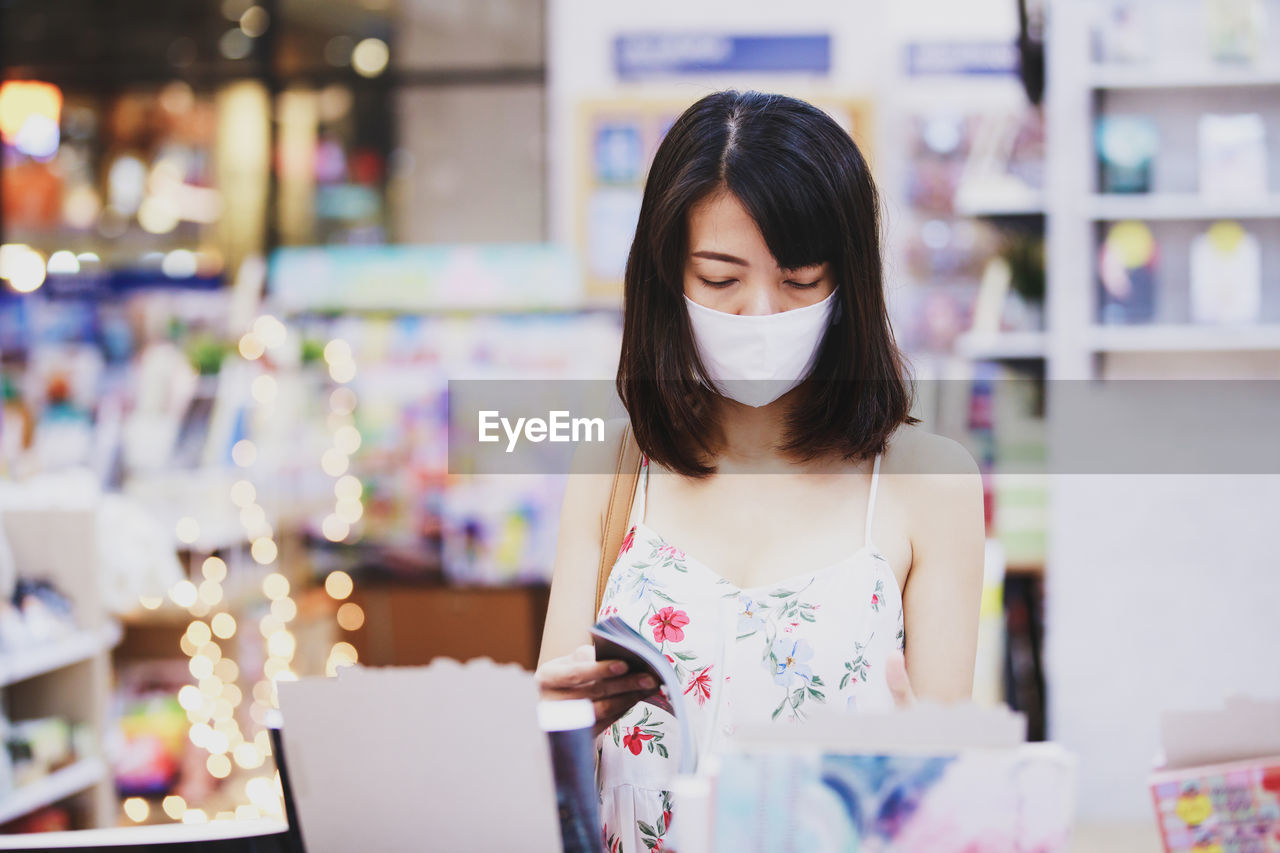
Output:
x=442 y=757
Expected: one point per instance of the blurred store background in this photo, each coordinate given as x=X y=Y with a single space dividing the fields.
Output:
x=244 y=245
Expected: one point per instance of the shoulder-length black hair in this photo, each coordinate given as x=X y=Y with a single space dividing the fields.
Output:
x=805 y=183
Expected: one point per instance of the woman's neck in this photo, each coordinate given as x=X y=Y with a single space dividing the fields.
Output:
x=753 y=436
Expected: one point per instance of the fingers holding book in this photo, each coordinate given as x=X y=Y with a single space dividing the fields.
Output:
x=580 y=676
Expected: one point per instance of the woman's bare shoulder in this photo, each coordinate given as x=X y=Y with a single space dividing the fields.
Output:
x=914 y=450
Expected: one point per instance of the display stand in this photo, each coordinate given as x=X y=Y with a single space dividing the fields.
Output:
x=1173 y=92
x=68 y=678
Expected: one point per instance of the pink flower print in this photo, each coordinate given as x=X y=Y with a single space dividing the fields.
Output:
x=671 y=660
x=635 y=740
x=628 y=541
x=608 y=611
x=668 y=550
x=700 y=685
x=668 y=624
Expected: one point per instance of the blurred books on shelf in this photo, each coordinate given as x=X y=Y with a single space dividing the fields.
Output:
x=1226 y=275
x=1234 y=30
x=1127 y=148
x=1127 y=263
x=1233 y=156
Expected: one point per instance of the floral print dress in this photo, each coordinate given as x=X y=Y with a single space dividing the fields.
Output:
x=764 y=654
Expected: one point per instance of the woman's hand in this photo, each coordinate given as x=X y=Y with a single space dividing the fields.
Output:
x=895 y=674
x=580 y=676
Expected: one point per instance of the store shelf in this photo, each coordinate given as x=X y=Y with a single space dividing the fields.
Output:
x=58 y=785
x=1175 y=338
x=999 y=205
x=21 y=664
x=1122 y=77
x=1001 y=345
x=1178 y=206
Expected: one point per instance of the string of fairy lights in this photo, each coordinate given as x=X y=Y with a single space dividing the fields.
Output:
x=214 y=699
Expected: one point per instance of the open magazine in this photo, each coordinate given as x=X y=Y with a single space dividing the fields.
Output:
x=616 y=640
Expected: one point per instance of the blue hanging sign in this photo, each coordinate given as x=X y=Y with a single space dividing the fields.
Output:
x=962 y=57
x=639 y=55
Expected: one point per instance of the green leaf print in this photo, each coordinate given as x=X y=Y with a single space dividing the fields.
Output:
x=856 y=669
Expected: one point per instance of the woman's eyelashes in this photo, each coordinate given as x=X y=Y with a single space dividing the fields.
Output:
x=798 y=285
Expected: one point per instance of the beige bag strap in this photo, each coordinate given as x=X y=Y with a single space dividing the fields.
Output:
x=619 y=511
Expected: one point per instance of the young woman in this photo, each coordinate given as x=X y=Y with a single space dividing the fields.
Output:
x=770 y=402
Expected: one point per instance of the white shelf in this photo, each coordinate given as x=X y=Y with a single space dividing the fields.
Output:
x=1175 y=206
x=999 y=204
x=1141 y=77
x=1185 y=338
x=58 y=785
x=1001 y=345
x=21 y=664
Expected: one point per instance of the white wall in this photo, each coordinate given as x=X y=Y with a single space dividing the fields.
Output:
x=1162 y=592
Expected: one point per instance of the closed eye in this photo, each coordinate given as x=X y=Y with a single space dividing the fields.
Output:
x=804 y=285
x=725 y=283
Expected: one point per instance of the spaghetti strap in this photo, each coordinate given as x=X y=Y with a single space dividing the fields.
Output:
x=642 y=489
x=871 y=500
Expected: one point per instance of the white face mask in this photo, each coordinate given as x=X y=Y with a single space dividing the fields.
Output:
x=756 y=358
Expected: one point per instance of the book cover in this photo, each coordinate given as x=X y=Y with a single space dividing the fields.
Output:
x=1127 y=147
x=1233 y=156
x=616 y=640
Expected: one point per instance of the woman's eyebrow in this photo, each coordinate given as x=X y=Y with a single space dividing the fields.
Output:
x=720 y=256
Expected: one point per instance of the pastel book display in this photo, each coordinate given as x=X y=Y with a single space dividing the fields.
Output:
x=943 y=779
x=1217 y=785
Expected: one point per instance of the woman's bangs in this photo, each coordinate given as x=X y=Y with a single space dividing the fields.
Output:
x=795 y=215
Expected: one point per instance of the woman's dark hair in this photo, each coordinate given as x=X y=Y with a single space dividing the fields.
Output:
x=805 y=183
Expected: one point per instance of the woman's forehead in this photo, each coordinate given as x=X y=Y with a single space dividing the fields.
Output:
x=721 y=230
